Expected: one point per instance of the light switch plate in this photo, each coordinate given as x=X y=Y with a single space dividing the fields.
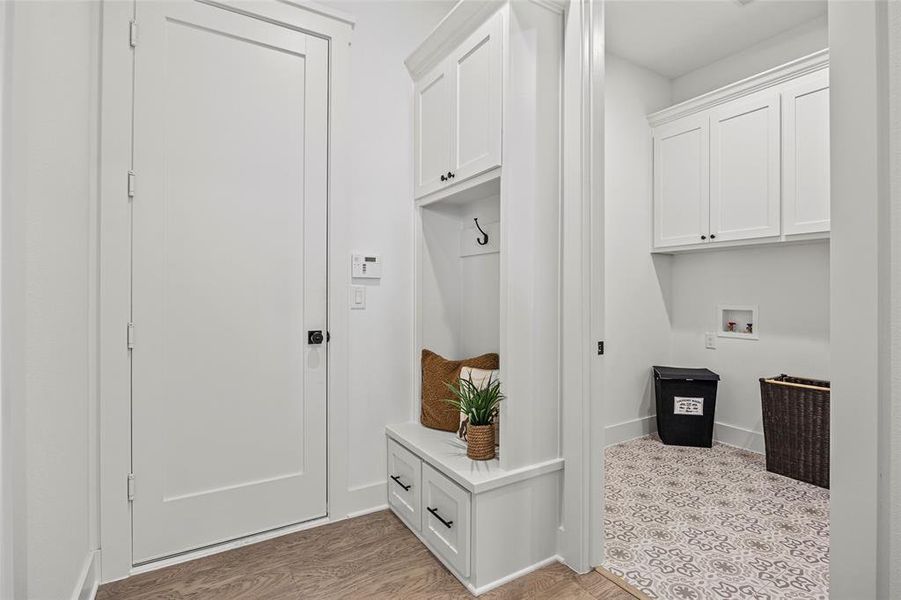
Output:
x=357 y=297
x=710 y=340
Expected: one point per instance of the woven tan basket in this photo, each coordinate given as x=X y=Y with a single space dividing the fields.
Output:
x=480 y=442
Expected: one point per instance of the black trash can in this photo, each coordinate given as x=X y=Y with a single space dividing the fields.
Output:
x=686 y=401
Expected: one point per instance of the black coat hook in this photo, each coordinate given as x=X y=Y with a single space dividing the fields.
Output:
x=484 y=239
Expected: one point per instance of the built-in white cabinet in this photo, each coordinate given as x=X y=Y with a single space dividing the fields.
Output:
x=486 y=255
x=458 y=112
x=483 y=522
x=744 y=168
x=805 y=154
x=682 y=182
x=745 y=164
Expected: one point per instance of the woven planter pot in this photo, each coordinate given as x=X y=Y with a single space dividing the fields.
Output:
x=480 y=442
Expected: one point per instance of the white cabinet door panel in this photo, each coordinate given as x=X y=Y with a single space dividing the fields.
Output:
x=805 y=159
x=744 y=168
x=446 y=518
x=681 y=182
x=432 y=130
x=477 y=72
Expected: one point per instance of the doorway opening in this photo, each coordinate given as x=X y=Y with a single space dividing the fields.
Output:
x=716 y=211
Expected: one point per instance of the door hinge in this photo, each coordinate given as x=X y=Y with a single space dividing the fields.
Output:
x=130 y=336
x=133 y=33
x=600 y=348
x=131 y=487
x=131 y=184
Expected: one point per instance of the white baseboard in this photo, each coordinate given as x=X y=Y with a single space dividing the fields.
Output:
x=731 y=435
x=364 y=498
x=495 y=584
x=86 y=586
x=739 y=437
x=629 y=430
x=367 y=511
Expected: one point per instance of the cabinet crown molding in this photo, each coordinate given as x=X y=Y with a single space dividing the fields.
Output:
x=453 y=29
x=449 y=33
x=775 y=76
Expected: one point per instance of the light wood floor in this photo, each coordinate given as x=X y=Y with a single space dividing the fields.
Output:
x=373 y=556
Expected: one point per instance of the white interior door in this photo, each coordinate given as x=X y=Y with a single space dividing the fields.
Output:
x=229 y=274
x=744 y=168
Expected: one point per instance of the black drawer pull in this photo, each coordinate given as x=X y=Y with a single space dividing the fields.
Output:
x=400 y=483
x=434 y=512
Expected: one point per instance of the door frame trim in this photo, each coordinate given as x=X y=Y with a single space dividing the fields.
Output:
x=117 y=60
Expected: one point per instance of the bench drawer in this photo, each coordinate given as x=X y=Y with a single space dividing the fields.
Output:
x=405 y=483
x=446 y=518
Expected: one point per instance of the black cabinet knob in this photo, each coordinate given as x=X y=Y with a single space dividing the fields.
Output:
x=314 y=336
x=712 y=236
x=443 y=178
x=450 y=175
x=703 y=237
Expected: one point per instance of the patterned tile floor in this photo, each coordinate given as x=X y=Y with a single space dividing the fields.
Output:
x=698 y=524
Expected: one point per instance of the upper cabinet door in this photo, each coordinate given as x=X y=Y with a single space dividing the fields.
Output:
x=744 y=164
x=805 y=154
x=432 y=130
x=681 y=182
x=477 y=73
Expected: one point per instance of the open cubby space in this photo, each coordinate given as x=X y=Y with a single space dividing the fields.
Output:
x=460 y=278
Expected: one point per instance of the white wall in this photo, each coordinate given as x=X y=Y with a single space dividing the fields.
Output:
x=381 y=222
x=794 y=43
x=891 y=552
x=49 y=205
x=6 y=545
x=790 y=286
x=860 y=297
x=638 y=331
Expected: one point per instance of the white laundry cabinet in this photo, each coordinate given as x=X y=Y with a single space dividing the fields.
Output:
x=748 y=163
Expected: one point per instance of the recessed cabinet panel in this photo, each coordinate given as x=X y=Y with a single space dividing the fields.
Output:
x=477 y=69
x=405 y=484
x=445 y=518
x=432 y=130
x=744 y=164
x=681 y=182
x=805 y=159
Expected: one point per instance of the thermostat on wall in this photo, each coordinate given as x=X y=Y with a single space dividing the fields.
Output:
x=365 y=266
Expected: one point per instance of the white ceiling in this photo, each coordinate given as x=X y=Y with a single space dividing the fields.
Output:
x=675 y=37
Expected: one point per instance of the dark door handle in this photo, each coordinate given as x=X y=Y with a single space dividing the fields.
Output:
x=401 y=483
x=435 y=514
x=314 y=336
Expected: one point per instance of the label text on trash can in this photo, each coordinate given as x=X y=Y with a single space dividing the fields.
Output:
x=688 y=406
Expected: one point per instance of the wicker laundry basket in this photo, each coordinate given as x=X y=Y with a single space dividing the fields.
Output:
x=796 y=427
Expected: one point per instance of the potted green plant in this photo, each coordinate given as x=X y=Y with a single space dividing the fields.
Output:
x=479 y=406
